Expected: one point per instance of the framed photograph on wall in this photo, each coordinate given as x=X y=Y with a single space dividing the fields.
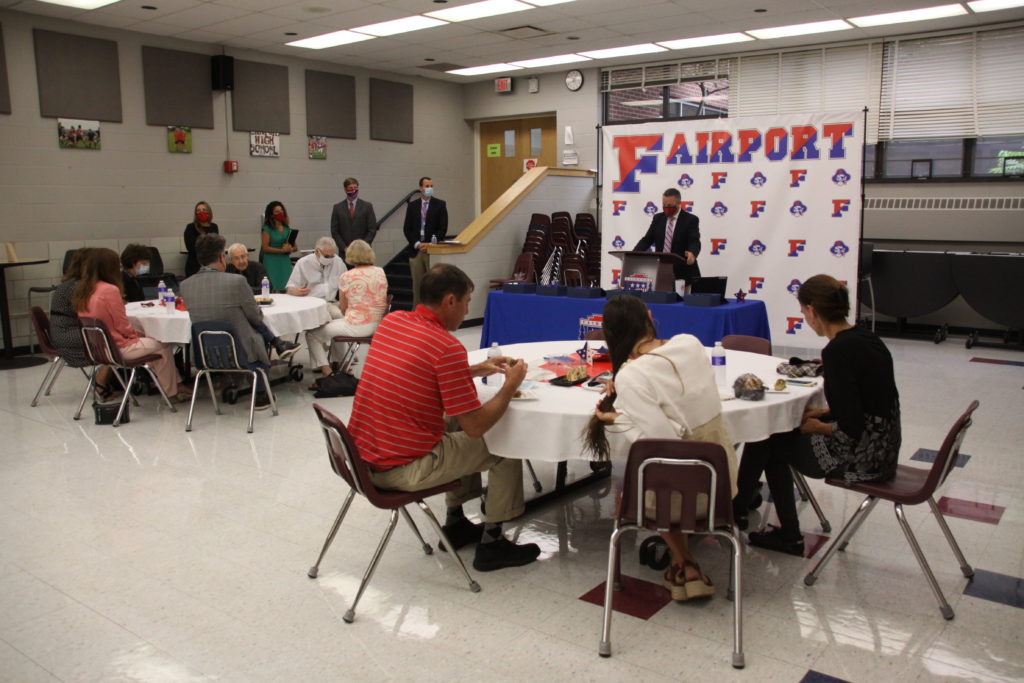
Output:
x=317 y=147
x=78 y=134
x=179 y=139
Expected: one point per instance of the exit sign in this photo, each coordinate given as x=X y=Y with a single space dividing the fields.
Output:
x=503 y=84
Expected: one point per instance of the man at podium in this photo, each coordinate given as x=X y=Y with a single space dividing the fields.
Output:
x=677 y=232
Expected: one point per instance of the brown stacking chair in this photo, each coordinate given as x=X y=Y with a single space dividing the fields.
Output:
x=41 y=323
x=745 y=342
x=524 y=270
x=347 y=464
x=910 y=486
x=698 y=472
x=349 y=355
x=103 y=351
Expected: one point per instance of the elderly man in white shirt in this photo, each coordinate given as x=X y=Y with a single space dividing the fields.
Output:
x=317 y=275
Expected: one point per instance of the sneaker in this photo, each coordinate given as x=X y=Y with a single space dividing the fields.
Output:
x=503 y=553
x=461 y=534
x=262 y=401
x=286 y=349
x=777 y=541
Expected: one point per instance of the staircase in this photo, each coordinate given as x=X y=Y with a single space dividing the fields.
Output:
x=399 y=282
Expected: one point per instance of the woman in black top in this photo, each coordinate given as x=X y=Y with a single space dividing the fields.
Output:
x=201 y=224
x=65 y=330
x=856 y=438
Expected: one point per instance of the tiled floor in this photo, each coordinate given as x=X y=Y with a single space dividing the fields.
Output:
x=144 y=553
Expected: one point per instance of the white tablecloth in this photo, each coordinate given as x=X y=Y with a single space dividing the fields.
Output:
x=287 y=316
x=549 y=428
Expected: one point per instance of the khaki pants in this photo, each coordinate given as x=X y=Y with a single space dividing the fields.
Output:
x=457 y=456
x=418 y=267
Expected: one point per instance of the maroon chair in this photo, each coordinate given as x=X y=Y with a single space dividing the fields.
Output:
x=910 y=486
x=348 y=358
x=524 y=270
x=102 y=351
x=562 y=215
x=750 y=344
x=698 y=471
x=41 y=323
x=347 y=464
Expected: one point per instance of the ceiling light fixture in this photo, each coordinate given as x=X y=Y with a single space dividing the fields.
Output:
x=479 y=10
x=550 y=61
x=80 y=4
x=799 y=29
x=625 y=51
x=417 y=22
x=704 y=41
x=923 y=14
x=991 y=5
x=547 y=3
x=330 y=40
x=480 y=70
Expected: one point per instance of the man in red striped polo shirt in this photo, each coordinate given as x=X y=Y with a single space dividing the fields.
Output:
x=418 y=422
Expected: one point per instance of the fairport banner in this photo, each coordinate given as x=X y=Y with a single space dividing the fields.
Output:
x=778 y=199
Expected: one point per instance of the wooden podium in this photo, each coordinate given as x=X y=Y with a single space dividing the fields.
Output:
x=657 y=265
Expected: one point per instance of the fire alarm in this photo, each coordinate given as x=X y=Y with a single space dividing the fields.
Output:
x=231 y=167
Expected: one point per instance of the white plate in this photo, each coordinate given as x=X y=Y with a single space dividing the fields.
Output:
x=536 y=373
x=525 y=395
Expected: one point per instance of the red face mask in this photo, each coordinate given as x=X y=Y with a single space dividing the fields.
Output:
x=670 y=210
x=281 y=217
x=203 y=217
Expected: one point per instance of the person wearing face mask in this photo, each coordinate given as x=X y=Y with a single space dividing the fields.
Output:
x=426 y=221
x=317 y=275
x=275 y=250
x=239 y=264
x=352 y=218
x=134 y=264
x=202 y=217
x=676 y=232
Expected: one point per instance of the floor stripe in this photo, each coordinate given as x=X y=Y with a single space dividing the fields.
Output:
x=969 y=509
x=1001 y=588
x=638 y=598
x=928 y=455
x=998 y=361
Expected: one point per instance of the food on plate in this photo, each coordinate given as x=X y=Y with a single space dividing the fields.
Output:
x=576 y=374
x=518 y=394
x=780 y=385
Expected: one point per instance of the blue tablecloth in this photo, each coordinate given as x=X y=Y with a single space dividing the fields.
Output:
x=515 y=318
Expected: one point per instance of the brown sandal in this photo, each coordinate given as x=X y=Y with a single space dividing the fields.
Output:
x=700 y=587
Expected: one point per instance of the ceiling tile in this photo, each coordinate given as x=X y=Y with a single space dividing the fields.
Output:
x=250 y=5
x=201 y=36
x=156 y=28
x=314 y=10
x=362 y=16
x=134 y=9
x=300 y=29
x=47 y=10
x=244 y=42
x=248 y=24
x=108 y=20
x=203 y=16
x=474 y=40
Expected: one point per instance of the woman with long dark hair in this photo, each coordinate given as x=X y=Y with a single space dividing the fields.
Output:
x=202 y=224
x=99 y=295
x=856 y=438
x=661 y=389
x=276 y=248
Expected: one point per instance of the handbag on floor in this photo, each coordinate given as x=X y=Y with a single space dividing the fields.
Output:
x=338 y=384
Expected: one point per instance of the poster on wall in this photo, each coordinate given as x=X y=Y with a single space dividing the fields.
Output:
x=264 y=144
x=317 y=147
x=78 y=134
x=778 y=198
x=179 y=139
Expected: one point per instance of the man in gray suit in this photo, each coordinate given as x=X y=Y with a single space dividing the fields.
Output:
x=214 y=295
x=352 y=219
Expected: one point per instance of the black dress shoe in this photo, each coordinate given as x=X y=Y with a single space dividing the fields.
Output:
x=262 y=401
x=503 y=553
x=461 y=534
x=286 y=349
x=777 y=541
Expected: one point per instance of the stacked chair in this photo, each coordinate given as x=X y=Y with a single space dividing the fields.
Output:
x=562 y=251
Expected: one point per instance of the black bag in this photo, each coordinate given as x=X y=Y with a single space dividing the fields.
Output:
x=106 y=412
x=338 y=384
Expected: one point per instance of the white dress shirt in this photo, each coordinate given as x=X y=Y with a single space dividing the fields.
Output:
x=321 y=280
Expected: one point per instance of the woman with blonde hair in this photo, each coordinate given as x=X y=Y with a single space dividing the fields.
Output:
x=362 y=298
x=99 y=295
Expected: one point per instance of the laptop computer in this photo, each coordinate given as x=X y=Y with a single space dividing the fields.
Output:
x=710 y=291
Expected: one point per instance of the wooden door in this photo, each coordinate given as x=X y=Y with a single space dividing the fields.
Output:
x=506 y=145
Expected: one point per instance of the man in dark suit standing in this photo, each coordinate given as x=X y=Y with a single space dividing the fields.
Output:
x=682 y=230
x=426 y=222
x=352 y=219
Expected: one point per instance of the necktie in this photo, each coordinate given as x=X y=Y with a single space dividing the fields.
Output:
x=351 y=209
x=423 y=221
x=670 y=229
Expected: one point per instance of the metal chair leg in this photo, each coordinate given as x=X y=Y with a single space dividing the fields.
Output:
x=965 y=568
x=213 y=392
x=849 y=529
x=47 y=380
x=604 y=648
x=947 y=611
x=124 y=399
x=736 y=594
x=53 y=379
x=252 y=401
x=416 y=530
x=270 y=391
x=315 y=569
x=473 y=585
x=350 y=615
x=192 y=403
x=124 y=387
x=160 y=388
x=808 y=496
x=88 y=388
x=856 y=528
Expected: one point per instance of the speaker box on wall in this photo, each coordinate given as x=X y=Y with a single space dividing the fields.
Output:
x=222 y=69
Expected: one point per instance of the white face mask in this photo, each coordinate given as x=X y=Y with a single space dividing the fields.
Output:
x=428 y=192
x=325 y=261
x=143 y=269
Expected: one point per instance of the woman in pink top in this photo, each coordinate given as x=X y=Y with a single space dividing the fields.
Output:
x=362 y=297
x=99 y=295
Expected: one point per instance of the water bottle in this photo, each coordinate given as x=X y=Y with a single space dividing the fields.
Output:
x=265 y=288
x=497 y=379
x=433 y=240
x=161 y=292
x=718 y=363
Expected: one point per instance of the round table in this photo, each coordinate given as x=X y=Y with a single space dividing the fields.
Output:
x=288 y=315
x=549 y=427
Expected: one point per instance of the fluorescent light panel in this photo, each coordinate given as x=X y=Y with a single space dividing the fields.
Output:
x=923 y=14
x=480 y=70
x=416 y=22
x=625 y=51
x=479 y=10
x=799 y=29
x=330 y=40
x=546 y=3
x=80 y=4
x=991 y=5
x=704 y=41
x=550 y=61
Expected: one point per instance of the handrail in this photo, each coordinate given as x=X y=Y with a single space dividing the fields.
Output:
x=501 y=206
x=402 y=202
